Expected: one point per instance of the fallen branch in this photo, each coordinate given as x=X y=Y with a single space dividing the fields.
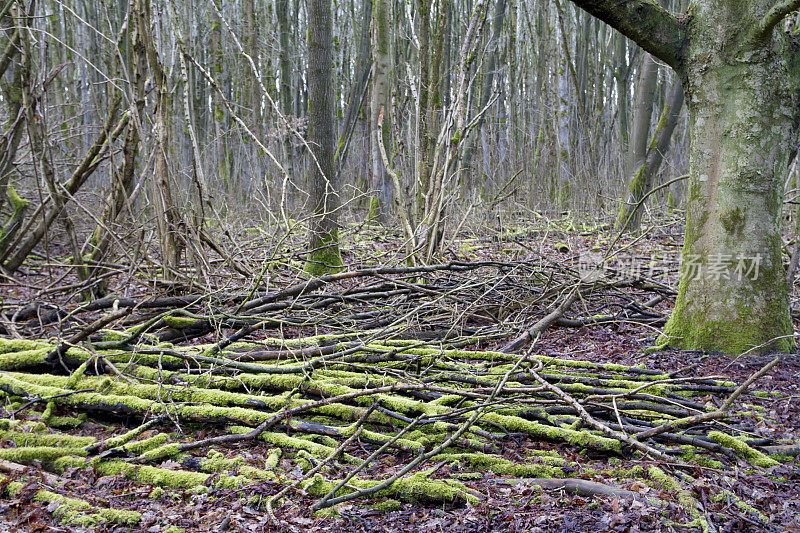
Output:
x=542 y=324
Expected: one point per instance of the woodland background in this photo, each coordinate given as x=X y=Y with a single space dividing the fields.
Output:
x=167 y=363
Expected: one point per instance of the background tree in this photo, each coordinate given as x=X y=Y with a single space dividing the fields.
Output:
x=324 y=255
x=489 y=113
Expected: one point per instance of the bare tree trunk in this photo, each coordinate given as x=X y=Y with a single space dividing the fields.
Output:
x=285 y=92
x=358 y=89
x=166 y=212
x=642 y=113
x=621 y=79
x=488 y=81
x=630 y=214
x=123 y=177
x=219 y=114
x=380 y=109
x=324 y=255
x=422 y=135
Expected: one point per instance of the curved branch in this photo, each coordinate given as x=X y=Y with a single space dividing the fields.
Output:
x=644 y=21
x=773 y=17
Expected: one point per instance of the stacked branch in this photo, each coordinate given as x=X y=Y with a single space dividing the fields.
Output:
x=424 y=395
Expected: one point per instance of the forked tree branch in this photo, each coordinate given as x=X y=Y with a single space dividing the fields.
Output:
x=652 y=27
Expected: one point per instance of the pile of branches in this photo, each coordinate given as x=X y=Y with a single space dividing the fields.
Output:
x=477 y=299
x=336 y=372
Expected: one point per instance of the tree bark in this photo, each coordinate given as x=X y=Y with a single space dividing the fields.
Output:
x=630 y=215
x=285 y=91
x=167 y=215
x=642 y=114
x=380 y=107
x=742 y=101
x=324 y=255
x=123 y=177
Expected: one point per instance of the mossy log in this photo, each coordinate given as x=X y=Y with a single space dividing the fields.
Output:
x=335 y=387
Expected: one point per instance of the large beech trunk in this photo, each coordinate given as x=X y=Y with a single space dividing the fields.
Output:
x=739 y=69
x=733 y=294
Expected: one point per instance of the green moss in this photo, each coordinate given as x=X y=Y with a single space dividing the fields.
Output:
x=692 y=456
x=325 y=258
x=672 y=201
x=174 y=479
x=73 y=511
x=467 y=476
x=685 y=498
x=328 y=512
x=110 y=335
x=374 y=212
x=726 y=495
x=751 y=455
x=404 y=444
x=67 y=421
x=753 y=316
x=15 y=360
x=304 y=460
x=217 y=463
x=387 y=506
x=46 y=454
x=501 y=466
x=417 y=487
x=16 y=202
x=23 y=438
x=727 y=336
x=150 y=445
x=179 y=322
x=20 y=345
x=273 y=457
x=583 y=438
x=734 y=221
x=126 y=437
x=285 y=441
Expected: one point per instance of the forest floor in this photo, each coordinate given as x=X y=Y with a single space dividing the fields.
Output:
x=711 y=488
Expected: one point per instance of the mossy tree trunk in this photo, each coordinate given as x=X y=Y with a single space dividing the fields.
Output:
x=739 y=73
x=380 y=107
x=285 y=87
x=642 y=114
x=643 y=179
x=10 y=87
x=324 y=255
